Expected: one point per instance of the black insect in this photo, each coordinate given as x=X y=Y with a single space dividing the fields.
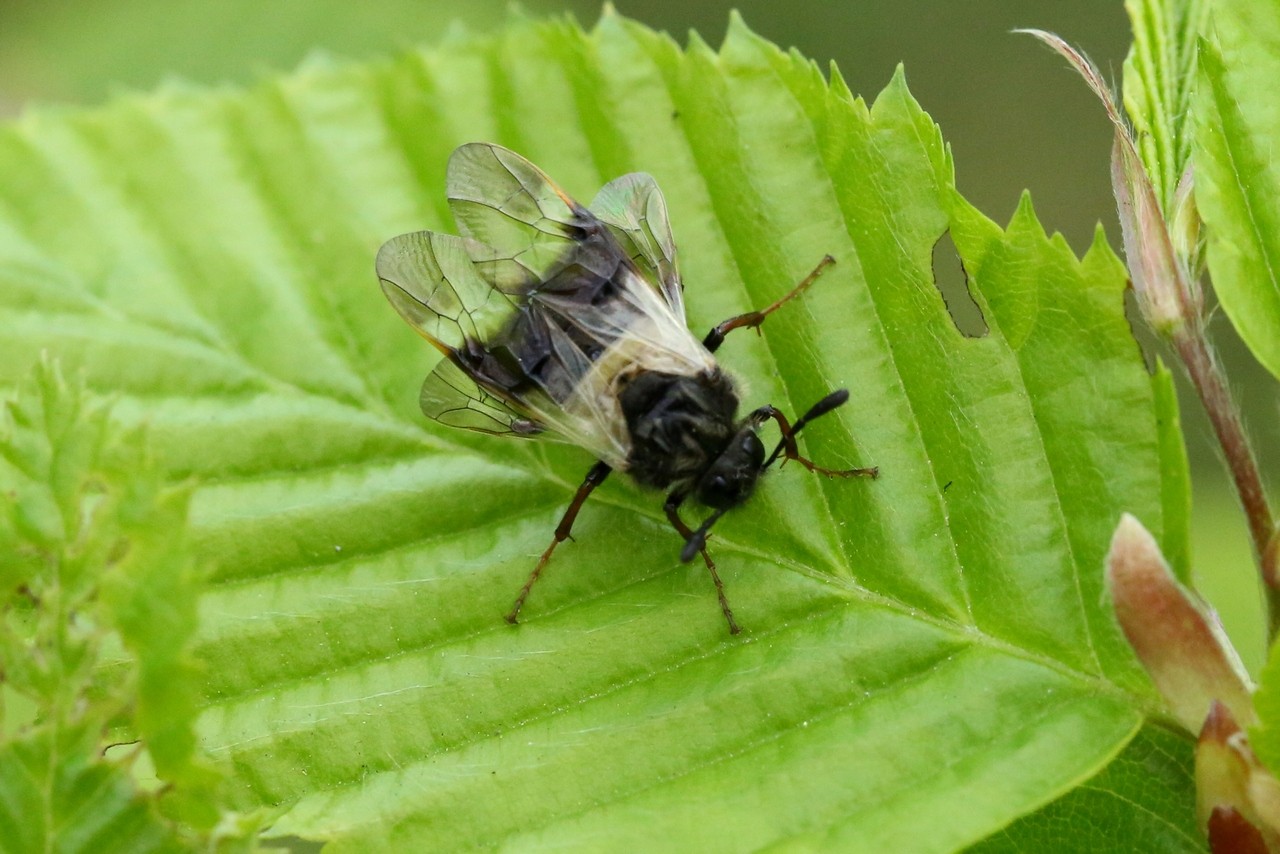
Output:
x=569 y=320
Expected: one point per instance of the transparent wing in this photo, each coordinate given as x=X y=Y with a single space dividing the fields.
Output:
x=537 y=231
x=511 y=364
x=542 y=307
x=455 y=399
x=431 y=279
x=636 y=213
x=503 y=201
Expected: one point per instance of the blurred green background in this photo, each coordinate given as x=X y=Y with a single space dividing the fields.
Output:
x=1015 y=116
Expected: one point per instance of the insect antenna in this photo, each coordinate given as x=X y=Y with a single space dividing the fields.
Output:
x=787 y=444
x=698 y=539
x=822 y=407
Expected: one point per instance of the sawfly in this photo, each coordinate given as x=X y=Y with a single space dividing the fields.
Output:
x=568 y=320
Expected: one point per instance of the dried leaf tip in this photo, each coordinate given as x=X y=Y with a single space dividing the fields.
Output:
x=1178 y=640
x=1169 y=297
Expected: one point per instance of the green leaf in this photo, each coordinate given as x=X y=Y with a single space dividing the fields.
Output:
x=1145 y=794
x=926 y=657
x=95 y=559
x=1237 y=177
x=57 y=796
x=1159 y=78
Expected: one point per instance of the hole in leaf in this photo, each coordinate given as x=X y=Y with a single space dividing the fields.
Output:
x=952 y=282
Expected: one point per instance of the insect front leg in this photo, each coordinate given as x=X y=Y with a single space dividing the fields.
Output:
x=754 y=318
x=672 y=508
x=595 y=477
x=787 y=447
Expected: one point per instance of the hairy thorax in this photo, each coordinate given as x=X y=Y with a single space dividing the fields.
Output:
x=678 y=424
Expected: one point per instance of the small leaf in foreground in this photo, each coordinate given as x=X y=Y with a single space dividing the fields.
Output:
x=105 y=569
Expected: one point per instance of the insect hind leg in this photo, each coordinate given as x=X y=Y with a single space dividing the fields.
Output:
x=595 y=476
x=753 y=319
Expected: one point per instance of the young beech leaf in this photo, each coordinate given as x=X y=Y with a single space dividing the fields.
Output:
x=923 y=662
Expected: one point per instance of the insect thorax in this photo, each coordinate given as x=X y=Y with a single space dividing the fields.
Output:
x=679 y=424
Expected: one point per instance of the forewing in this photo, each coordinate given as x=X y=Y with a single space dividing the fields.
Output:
x=509 y=366
x=503 y=201
x=636 y=213
x=431 y=280
x=542 y=305
x=455 y=399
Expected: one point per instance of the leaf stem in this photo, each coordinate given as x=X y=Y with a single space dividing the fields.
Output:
x=1206 y=375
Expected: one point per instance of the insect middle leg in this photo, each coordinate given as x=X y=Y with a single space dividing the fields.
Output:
x=672 y=508
x=754 y=318
x=595 y=476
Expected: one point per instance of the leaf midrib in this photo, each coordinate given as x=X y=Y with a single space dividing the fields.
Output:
x=723 y=544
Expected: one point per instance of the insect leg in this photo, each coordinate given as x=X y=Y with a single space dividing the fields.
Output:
x=787 y=446
x=595 y=477
x=754 y=318
x=672 y=508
